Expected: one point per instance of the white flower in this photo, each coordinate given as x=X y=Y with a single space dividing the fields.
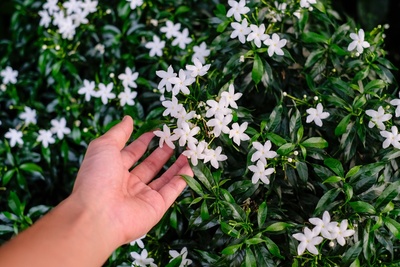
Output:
x=237 y=9
x=9 y=75
x=201 y=52
x=183 y=254
x=237 y=133
x=323 y=226
x=257 y=34
x=135 y=3
x=105 y=92
x=29 y=116
x=72 y=6
x=316 y=115
x=66 y=27
x=358 y=42
x=342 y=232
x=45 y=18
x=138 y=241
x=214 y=156
x=45 y=137
x=127 y=97
x=182 y=39
x=171 y=29
x=142 y=259
x=195 y=152
x=378 y=118
x=392 y=138
x=308 y=241
x=166 y=78
x=263 y=152
x=197 y=69
x=241 y=30
x=184 y=116
x=231 y=97
x=260 y=172
x=185 y=134
x=156 y=46
x=275 y=45
x=88 y=89
x=181 y=83
x=166 y=137
x=15 y=137
x=220 y=107
x=59 y=127
x=129 y=78
x=51 y=6
x=89 y=6
x=396 y=102
x=220 y=124
x=172 y=107
x=306 y=3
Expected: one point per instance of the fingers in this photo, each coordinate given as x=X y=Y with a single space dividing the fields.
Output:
x=171 y=184
x=119 y=133
x=152 y=165
x=135 y=150
x=181 y=166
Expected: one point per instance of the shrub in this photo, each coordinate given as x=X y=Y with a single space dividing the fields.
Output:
x=287 y=110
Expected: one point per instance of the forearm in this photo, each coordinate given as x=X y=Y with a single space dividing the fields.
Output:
x=67 y=236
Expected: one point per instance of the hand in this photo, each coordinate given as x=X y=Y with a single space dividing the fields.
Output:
x=129 y=202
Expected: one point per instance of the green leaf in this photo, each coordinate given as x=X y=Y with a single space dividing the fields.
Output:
x=326 y=201
x=312 y=37
x=182 y=9
x=31 y=167
x=231 y=249
x=229 y=230
x=250 y=260
x=333 y=179
x=362 y=207
x=203 y=173
x=352 y=253
x=285 y=149
x=342 y=126
x=205 y=215
x=277 y=227
x=335 y=165
x=222 y=26
x=173 y=219
x=258 y=69
x=235 y=211
x=353 y=171
x=273 y=248
x=390 y=193
x=262 y=214
x=393 y=226
x=316 y=142
x=15 y=204
x=373 y=85
x=5 y=229
x=276 y=139
x=254 y=241
x=302 y=170
x=193 y=184
x=7 y=176
x=348 y=191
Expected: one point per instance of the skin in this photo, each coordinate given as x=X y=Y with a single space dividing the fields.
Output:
x=110 y=205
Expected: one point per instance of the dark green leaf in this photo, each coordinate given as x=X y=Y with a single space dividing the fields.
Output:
x=258 y=69
x=362 y=207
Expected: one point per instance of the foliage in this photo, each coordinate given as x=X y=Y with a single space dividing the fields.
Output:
x=347 y=166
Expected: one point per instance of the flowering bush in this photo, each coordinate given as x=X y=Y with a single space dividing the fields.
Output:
x=287 y=110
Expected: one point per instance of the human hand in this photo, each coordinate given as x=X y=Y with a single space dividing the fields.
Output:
x=126 y=204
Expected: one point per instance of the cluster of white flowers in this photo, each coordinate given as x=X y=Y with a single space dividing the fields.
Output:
x=142 y=259
x=260 y=170
x=256 y=33
x=45 y=137
x=180 y=38
x=215 y=114
x=323 y=228
x=378 y=119
x=105 y=91
x=67 y=16
x=135 y=3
